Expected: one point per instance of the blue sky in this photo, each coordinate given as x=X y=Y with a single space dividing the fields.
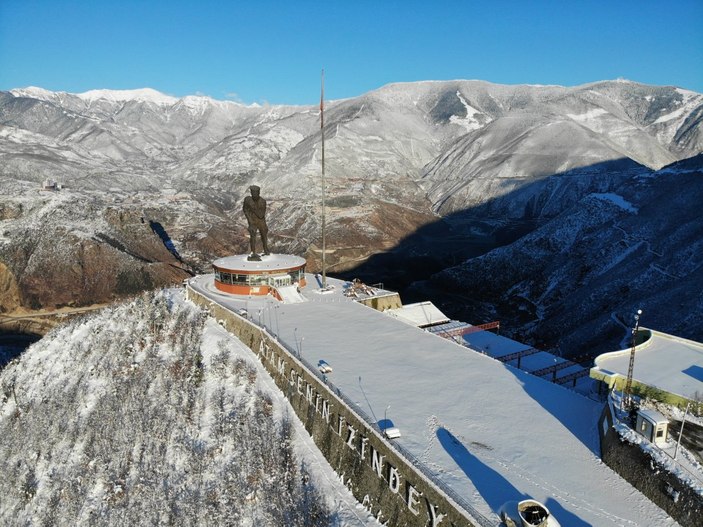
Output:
x=273 y=52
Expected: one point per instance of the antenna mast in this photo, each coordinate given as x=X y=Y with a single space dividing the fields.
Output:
x=627 y=395
x=322 y=133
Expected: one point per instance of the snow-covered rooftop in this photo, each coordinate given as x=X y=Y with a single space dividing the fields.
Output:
x=419 y=314
x=664 y=361
x=269 y=262
x=489 y=431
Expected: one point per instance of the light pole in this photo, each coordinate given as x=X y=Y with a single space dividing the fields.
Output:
x=385 y=417
x=627 y=395
x=554 y=373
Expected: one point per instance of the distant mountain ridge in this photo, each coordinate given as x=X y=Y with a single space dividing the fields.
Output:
x=456 y=135
x=397 y=158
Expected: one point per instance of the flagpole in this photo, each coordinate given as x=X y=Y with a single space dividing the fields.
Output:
x=322 y=133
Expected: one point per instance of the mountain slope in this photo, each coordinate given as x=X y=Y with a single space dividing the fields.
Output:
x=147 y=413
x=575 y=282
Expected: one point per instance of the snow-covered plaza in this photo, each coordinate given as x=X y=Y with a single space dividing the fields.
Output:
x=490 y=432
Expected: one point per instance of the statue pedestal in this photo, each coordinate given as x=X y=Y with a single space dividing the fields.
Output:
x=254 y=274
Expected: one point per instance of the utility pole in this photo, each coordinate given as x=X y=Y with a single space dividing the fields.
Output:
x=627 y=393
x=322 y=133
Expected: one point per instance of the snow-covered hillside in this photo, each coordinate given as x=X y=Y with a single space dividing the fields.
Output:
x=150 y=413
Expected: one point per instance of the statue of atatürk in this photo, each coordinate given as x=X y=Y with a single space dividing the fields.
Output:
x=255 y=212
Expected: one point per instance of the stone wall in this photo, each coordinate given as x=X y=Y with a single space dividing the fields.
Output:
x=29 y=326
x=636 y=466
x=383 y=481
x=383 y=302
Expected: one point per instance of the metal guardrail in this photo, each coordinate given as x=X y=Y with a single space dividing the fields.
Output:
x=573 y=376
x=616 y=419
x=518 y=355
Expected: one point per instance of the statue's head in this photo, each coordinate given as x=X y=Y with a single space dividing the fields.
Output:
x=254 y=189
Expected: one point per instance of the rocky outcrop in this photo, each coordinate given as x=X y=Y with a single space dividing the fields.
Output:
x=9 y=291
x=65 y=256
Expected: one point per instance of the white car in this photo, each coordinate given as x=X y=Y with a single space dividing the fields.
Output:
x=527 y=513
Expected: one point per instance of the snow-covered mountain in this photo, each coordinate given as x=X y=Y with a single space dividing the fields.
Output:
x=149 y=413
x=450 y=133
x=397 y=160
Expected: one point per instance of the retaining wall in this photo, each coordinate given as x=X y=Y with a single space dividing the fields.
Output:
x=643 y=472
x=379 y=474
x=383 y=302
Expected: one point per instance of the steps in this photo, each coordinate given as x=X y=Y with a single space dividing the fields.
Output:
x=289 y=295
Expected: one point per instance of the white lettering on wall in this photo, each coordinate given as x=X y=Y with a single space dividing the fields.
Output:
x=364 y=442
x=435 y=517
x=323 y=407
x=413 y=501
x=352 y=434
x=376 y=461
x=318 y=398
x=340 y=425
x=393 y=479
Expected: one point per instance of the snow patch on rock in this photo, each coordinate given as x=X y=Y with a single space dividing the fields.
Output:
x=616 y=199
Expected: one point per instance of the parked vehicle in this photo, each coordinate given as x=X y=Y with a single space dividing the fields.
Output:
x=527 y=513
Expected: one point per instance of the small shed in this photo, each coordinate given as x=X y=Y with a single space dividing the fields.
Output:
x=652 y=425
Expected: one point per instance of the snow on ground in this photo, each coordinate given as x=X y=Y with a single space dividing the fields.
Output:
x=490 y=432
x=591 y=114
x=469 y=121
x=149 y=413
x=685 y=466
x=143 y=95
x=339 y=498
x=616 y=199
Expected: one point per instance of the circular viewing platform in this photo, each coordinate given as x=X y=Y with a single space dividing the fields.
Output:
x=238 y=275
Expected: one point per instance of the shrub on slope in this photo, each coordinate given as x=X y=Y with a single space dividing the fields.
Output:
x=139 y=416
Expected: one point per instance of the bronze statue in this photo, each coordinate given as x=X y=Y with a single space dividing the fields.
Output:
x=255 y=212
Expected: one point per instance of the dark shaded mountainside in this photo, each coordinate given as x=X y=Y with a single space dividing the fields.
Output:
x=423 y=175
x=574 y=281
